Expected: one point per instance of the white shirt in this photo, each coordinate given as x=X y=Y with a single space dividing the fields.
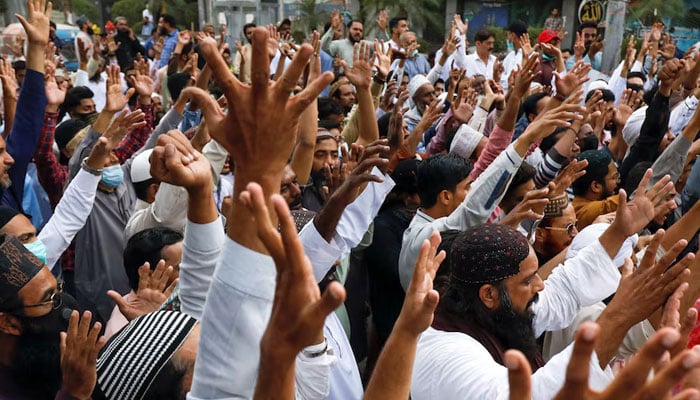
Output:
x=453 y=365
x=476 y=66
x=681 y=114
x=483 y=197
x=69 y=216
x=512 y=61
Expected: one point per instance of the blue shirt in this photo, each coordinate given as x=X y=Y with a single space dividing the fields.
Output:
x=168 y=47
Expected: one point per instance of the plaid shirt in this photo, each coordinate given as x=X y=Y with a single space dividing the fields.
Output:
x=52 y=175
x=168 y=47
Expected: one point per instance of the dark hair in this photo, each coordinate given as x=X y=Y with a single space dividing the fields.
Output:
x=438 y=173
x=587 y=24
x=176 y=83
x=394 y=22
x=608 y=95
x=517 y=27
x=328 y=107
x=73 y=97
x=439 y=81
x=589 y=142
x=598 y=165
x=169 y=19
x=530 y=104
x=635 y=175
x=19 y=64
x=146 y=246
x=525 y=173
x=167 y=384
x=328 y=124
x=285 y=21
x=637 y=74
x=249 y=25
x=442 y=275
x=352 y=21
x=549 y=141
x=483 y=35
x=383 y=124
x=141 y=188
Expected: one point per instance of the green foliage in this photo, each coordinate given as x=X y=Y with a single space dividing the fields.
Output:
x=131 y=9
x=500 y=36
x=311 y=17
x=644 y=10
x=184 y=11
x=87 y=8
x=427 y=15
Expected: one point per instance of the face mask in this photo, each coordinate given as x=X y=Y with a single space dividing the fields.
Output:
x=547 y=58
x=87 y=118
x=37 y=248
x=414 y=53
x=113 y=175
x=509 y=45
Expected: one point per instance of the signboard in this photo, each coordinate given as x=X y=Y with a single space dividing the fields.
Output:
x=591 y=11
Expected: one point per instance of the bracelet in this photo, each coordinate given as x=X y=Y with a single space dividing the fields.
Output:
x=89 y=169
x=319 y=353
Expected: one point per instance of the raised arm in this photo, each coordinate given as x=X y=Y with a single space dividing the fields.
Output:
x=360 y=75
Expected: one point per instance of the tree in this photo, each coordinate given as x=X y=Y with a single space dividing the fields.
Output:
x=130 y=9
x=648 y=10
x=422 y=14
x=310 y=17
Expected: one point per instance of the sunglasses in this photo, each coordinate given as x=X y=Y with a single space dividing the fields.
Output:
x=570 y=228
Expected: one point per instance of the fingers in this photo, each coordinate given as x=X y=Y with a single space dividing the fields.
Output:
x=220 y=71
x=576 y=383
x=311 y=92
x=119 y=300
x=210 y=108
x=636 y=371
x=519 y=375
x=669 y=376
x=291 y=74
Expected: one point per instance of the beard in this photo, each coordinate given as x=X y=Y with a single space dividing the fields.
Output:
x=514 y=328
x=37 y=356
x=5 y=182
x=162 y=31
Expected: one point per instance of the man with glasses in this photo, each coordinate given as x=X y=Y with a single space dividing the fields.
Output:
x=33 y=311
x=595 y=193
x=556 y=230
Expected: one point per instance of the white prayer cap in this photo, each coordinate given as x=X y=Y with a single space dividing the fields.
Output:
x=591 y=233
x=597 y=84
x=415 y=84
x=630 y=132
x=141 y=167
x=465 y=141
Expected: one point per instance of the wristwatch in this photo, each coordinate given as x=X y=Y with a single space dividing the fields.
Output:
x=89 y=169
x=312 y=352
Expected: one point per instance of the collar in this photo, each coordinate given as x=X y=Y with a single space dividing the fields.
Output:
x=427 y=218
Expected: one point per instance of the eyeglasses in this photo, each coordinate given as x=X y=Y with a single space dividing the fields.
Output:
x=570 y=228
x=56 y=299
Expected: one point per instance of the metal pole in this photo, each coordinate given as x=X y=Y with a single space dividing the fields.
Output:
x=614 y=31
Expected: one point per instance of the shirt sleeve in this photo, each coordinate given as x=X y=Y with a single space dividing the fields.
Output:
x=498 y=142
x=200 y=253
x=52 y=175
x=234 y=319
x=69 y=216
x=169 y=209
x=581 y=281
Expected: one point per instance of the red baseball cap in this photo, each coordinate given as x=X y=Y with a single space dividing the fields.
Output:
x=547 y=35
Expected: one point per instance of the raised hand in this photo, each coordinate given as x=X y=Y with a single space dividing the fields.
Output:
x=54 y=94
x=273 y=41
x=463 y=106
x=668 y=50
x=382 y=59
x=396 y=132
x=632 y=217
x=9 y=83
x=123 y=124
x=461 y=25
x=670 y=72
x=525 y=45
x=573 y=171
x=498 y=70
x=382 y=20
x=450 y=44
x=574 y=79
x=152 y=292
x=579 y=46
x=548 y=121
x=336 y=20
x=112 y=46
x=79 y=348
x=387 y=101
x=37 y=27
x=176 y=162
x=115 y=100
x=360 y=74
x=142 y=83
x=360 y=162
x=525 y=75
x=531 y=207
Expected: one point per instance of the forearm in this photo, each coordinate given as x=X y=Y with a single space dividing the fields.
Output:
x=244 y=230
x=497 y=143
x=392 y=374
x=303 y=157
x=510 y=114
x=35 y=57
x=613 y=328
x=369 y=132
x=276 y=375
x=328 y=217
x=10 y=107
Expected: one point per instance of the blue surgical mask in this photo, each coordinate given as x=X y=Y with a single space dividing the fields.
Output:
x=547 y=58
x=509 y=46
x=113 y=175
x=37 y=248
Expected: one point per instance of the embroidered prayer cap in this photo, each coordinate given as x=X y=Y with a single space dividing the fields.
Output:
x=487 y=253
x=465 y=141
x=415 y=83
x=17 y=267
x=133 y=357
x=591 y=233
x=6 y=214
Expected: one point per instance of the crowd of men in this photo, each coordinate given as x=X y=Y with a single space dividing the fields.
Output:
x=346 y=218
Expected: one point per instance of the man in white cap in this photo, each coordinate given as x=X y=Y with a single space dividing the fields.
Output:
x=422 y=93
x=147 y=27
x=468 y=143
